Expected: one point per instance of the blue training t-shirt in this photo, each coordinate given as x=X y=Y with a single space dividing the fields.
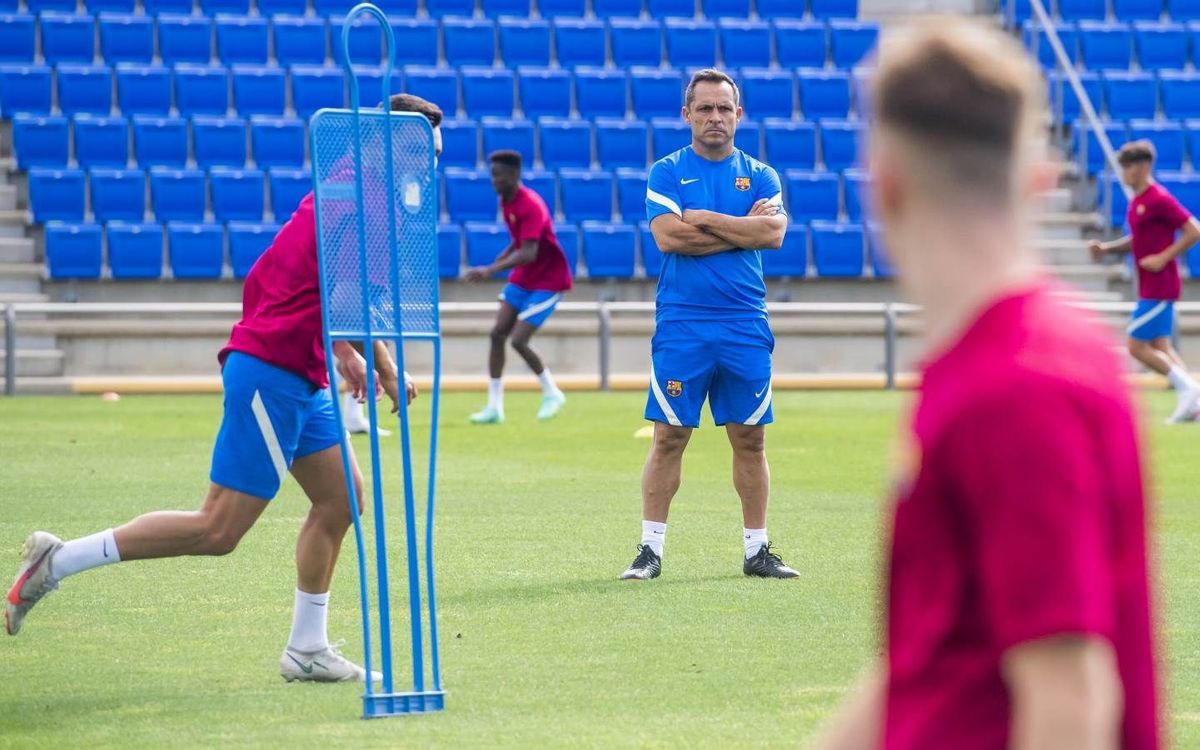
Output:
x=724 y=286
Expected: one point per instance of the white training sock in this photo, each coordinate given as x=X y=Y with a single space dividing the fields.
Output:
x=496 y=394
x=549 y=387
x=1180 y=379
x=653 y=535
x=754 y=539
x=83 y=554
x=309 y=620
x=352 y=413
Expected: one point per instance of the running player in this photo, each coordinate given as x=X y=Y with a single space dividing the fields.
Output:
x=1154 y=219
x=539 y=277
x=1018 y=611
x=710 y=208
x=278 y=418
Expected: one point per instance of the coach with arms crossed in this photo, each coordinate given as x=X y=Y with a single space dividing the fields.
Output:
x=711 y=208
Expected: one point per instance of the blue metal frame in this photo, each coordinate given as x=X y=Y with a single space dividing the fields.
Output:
x=388 y=702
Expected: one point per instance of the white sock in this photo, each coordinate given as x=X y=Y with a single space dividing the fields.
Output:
x=352 y=412
x=754 y=539
x=549 y=387
x=653 y=535
x=1180 y=380
x=496 y=394
x=309 y=620
x=83 y=554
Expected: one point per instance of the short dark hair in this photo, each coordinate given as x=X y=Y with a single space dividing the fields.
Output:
x=1136 y=152
x=410 y=103
x=507 y=158
x=710 y=75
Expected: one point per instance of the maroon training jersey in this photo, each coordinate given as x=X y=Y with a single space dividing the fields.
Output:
x=1154 y=217
x=528 y=219
x=1024 y=518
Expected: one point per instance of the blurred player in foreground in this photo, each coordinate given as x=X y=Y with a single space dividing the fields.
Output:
x=1018 y=612
x=1154 y=217
x=539 y=277
x=278 y=418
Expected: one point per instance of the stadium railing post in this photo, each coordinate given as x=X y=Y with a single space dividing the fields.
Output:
x=605 y=316
x=889 y=344
x=10 y=350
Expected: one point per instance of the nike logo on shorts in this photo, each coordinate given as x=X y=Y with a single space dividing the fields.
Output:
x=689 y=182
x=760 y=393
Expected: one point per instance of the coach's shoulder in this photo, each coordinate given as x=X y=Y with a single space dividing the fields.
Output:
x=757 y=167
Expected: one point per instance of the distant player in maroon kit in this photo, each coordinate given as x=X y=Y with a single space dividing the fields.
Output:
x=540 y=275
x=1154 y=219
x=278 y=418
x=1018 y=610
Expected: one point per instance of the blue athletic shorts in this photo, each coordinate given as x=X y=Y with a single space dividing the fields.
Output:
x=533 y=307
x=729 y=363
x=1152 y=319
x=272 y=417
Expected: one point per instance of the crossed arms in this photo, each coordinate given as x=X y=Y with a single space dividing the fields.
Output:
x=699 y=232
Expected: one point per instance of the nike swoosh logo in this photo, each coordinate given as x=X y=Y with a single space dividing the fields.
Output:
x=305 y=669
x=689 y=182
x=760 y=393
x=105 y=548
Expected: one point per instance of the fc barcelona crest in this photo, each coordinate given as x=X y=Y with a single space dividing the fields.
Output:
x=741 y=183
x=674 y=388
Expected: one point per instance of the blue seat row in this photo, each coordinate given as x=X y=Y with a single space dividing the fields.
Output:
x=1123 y=95
x=1176 y=142
x=395 y=8
x=1099 y=10
x=1115 y=46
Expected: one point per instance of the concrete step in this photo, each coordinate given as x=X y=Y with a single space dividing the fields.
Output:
x=43 y=386
x=1064 y=252
x=8 y=197
x=36 y=363
x=6 y=297
x=13 y=223
x=24 y=278
x=17 y=250
x=1088 y=278
x=1058 y=200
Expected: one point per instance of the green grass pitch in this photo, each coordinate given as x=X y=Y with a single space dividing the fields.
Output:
x=542 y=646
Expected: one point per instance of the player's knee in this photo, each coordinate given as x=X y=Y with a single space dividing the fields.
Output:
x=670 y=441
x=520 y=344
x=499 y=336
x=1137 y=347
x=220 y=541
x=750 y=441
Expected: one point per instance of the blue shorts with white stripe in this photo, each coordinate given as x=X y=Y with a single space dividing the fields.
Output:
x=533 y=306
x=726 y=362
x=272 y=417
x=1152 y=319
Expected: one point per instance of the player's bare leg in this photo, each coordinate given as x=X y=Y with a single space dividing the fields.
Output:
x=660 y=481
x=493 y=413
x=552 y=398
x=752 y=480
x=1160 y=356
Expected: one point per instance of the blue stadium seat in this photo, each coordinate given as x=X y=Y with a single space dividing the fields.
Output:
x=460 y=143
x=300 y=40
x=40 y=141
x=610 y=250
x=242 y=39
x=1184 y=186
x=524 y=41
x=586 y=194
x=485 y=241
x=650 y=254
x=96 y=7
x=780 y=8
x=247 y=241
x=580 y=42
x=500 y=133
x=277 y=141
x=73 y=251
x=791 y=259
x=1093 y=160
x=126 y=38
x=1109 y=191
x=768 y=93
x=143 y=89
x=185 y=39
x=38 y=6
x=1035 y=40
x=1105 y=46
x=671 y=8
x=568 y=240
x=170 y=7
x=830 y=8
x=1167 y=138
x=881 y=262
x=24 y=88
x=513 y=8
x=601 y=93
x=1129 y=94
x=366 y=40
x=851 y=41
x=544 y=92
x=288 y=188
x=84 y=88
x=1075 y=10
x=1160 y=45
x=656 y=92
x=811 y=195
x=314 y=87
x=824 y=94
x=101 y=141
x=545 y=184
x=370 y=85
x=201 y=89
x=690 y=43
x=1068 y=110
x=118 y=194
x=442 y=8
x=631 y=194
x=56 y=194
x=614 y=8
x=438 y=85
x=1191 y=130
x=1131 y=10
x=748 y=138
x=160 y=141
x=177 y=194
x=668 y=135
x=557 y=8
x=564 y=142
x=1180 y=93
x=197 y=251
x=468 y=41
x=854 y=185
x=745 y=43
x=225 y=7
x=487 y=92
x=258 y=90
x=237 y=194
x=1183 y=10
x=67 y=37
x=838 y=249
x=335 y=10
x=620 y=142
x=135 y=251
x=469 y=195
x=450 y=250
x=726 y=8
x=271 y=8
x=18 y=39
x=416 y=41
x=219 y=141
x=635 y=42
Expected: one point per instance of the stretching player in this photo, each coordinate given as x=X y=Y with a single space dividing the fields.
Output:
x=1018 y=612
x=710 y=207
x=539 y=277
x=278 y=417
x=1154 y=218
